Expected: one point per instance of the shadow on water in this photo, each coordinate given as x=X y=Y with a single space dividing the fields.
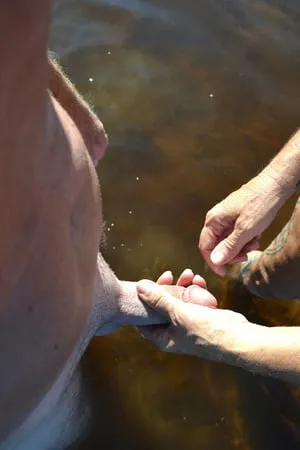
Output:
x=197 y=97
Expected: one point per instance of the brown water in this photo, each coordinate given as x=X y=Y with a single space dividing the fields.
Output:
x=197 y=96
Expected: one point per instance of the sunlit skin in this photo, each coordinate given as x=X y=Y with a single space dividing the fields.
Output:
x=57 y=291
x=231 y=230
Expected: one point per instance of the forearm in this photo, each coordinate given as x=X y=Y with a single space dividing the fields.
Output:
x=285 y=167
x=272 y=351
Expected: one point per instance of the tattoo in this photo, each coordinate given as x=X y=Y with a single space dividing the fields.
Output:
x=277 y=245
x=246 y=268
x=274 y=248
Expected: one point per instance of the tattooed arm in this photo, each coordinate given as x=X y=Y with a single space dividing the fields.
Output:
x=274 y=273
x=232 y=227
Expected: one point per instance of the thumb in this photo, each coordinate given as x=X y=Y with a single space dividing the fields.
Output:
x=228 y=249
x=157 y=297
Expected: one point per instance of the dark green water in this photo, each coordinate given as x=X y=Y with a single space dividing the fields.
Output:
x=196 y=96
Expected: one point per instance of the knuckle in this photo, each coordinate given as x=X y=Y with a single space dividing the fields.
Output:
x=209 y=216
x=177 y=317
x=214 y=212
x=231 y=243
x=203 y=245
x=157 y=300
x=243 y=225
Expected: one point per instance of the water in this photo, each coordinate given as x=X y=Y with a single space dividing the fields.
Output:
x=197 y=96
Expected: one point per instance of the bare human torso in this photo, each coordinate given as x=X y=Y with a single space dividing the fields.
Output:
x=50 y=227
x=56 y=291
x=50 y=230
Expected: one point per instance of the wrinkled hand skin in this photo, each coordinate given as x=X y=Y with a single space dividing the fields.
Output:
x=274 y=272
x=193 y=329
x=233 y=227
x=127 y=309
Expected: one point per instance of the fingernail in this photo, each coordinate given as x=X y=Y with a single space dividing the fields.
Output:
x=145 y=287
x=217 y=258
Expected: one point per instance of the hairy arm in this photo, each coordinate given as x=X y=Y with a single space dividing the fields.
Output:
x=223 y=335
x=285 y=167
x=271 y=351
x=232 y=227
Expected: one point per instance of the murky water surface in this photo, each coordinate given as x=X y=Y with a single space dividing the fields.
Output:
x=196 y=96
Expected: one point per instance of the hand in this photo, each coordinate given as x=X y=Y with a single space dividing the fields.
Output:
x=125 y=307
x=194 y=329
x=196 y=288
x=233 y=227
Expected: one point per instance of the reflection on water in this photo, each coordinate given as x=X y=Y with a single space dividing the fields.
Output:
x=196 y=96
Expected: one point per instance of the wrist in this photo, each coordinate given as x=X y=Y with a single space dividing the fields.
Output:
x=285 y=167
x=284 y=184
x=272 y=351
x=247 y=345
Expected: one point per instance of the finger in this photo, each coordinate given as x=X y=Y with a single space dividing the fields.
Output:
x=206 y=254
x=239 y=259
x=158 y=298
x=192 y=294
x=219 y=270
x=230 y=247
x=166 y=278
x=199 y=281
x=208 y=240
x=252 y=245
x=199 y=296
x=218 y=224
x=242 y=256
x=186 y=278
